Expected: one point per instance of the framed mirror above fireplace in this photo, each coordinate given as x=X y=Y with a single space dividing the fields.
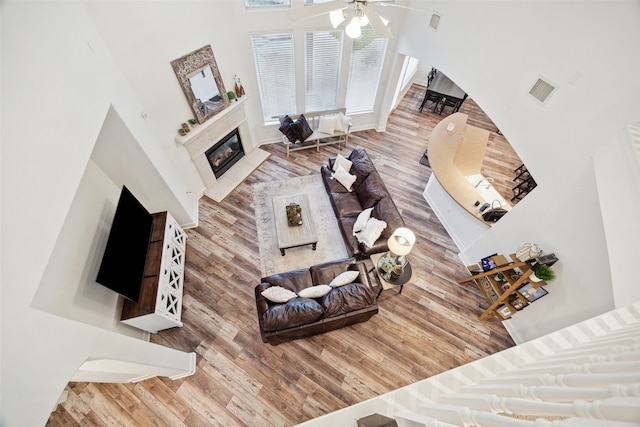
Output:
x=201 y=83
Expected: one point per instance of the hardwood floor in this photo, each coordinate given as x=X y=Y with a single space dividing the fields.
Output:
x=431 y=327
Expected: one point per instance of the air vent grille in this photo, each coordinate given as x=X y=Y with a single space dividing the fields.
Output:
x=435 y=21
x=542 y=90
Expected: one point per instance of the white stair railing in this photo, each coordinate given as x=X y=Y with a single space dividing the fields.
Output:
x=629 y=355
x=463 y=416
x=625 y=409
x=555 y=394
x=587 y=375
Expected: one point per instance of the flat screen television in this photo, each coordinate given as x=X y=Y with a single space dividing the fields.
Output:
x=122 y=266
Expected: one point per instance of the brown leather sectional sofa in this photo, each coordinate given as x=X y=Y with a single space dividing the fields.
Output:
x=303 y=317
x=368 y=191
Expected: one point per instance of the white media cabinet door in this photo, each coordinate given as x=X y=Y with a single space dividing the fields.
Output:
x=168 y=303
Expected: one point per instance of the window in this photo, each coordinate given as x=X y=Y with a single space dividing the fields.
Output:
x=273 y=56
x=266 y=3
x=364 y=73
x=323 y=51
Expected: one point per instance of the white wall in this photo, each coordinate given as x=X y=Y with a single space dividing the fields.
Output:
x=58 y=83
x=496 y=51
x=66 y=64
x=616 y=162
x=144 y=53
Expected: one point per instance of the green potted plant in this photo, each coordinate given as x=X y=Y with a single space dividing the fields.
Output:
x=499 y=277
x=542 y=272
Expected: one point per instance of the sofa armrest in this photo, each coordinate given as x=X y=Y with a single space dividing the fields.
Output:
x=262 y=304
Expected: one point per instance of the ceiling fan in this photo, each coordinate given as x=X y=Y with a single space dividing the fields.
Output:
x=357 y=14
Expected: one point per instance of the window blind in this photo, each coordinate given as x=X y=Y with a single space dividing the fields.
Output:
x=273 y=56
x=364 y=71
x=323 y=53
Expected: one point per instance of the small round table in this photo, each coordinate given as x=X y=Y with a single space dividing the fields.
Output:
x=386 y=281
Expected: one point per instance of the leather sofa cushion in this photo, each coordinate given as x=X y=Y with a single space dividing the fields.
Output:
x=346 y=204
x=296 y=312
x=295 y=280
x=323 y=274
x=385 y=209
x=344 y=299
x=330 y=184
x=371 y=191
x=362 y=165
x=346 y=229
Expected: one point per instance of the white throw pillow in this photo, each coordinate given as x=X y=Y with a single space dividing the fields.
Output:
x=327 y=124
x=278 y=294
x=342 y=161
x=371 y=232
x=344 y=278
x=361 y=221
x=342 y=123
x=344 y=178
x=315 y=291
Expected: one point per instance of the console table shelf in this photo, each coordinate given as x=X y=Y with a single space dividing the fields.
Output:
x=504 y=297
x=159 y=306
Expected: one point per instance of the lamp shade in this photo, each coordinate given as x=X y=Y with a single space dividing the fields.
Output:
x=401 y=241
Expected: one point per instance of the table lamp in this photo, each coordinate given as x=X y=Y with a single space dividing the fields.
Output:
x=400 y=244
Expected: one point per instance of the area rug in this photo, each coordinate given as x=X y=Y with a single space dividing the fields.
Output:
x=330 y=243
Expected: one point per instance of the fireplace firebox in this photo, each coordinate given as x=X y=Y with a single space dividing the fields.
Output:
x=225 y=153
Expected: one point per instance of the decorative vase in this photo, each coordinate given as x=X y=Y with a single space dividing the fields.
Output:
x=236 y=87
x=241 y=87
x=397 y=271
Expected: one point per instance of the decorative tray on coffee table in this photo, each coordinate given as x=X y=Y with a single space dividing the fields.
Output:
x=294 y=214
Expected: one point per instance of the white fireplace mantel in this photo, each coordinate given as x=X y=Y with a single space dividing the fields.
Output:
x=206 y=135
x=218 y=126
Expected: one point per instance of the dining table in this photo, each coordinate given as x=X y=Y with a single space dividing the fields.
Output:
x=443 y=92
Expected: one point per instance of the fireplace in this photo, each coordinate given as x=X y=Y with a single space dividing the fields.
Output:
x=225 y=153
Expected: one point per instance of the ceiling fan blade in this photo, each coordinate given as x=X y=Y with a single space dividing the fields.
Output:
x=385 y=4
x=376 y=22
x=306 y=12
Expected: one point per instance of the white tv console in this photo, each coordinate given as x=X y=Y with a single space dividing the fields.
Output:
x=159 y=306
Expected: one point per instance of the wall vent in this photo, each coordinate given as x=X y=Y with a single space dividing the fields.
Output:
x=542 y=90
x=435 y=20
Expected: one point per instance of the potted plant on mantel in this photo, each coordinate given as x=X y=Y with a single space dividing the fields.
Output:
x=542 y=272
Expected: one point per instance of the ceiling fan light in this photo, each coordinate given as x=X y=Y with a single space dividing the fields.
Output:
x=337 y=17
x=353 y=29
x=364 y=21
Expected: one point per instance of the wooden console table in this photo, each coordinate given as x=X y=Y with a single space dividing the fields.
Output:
x=160 y=304
x=504 y=298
